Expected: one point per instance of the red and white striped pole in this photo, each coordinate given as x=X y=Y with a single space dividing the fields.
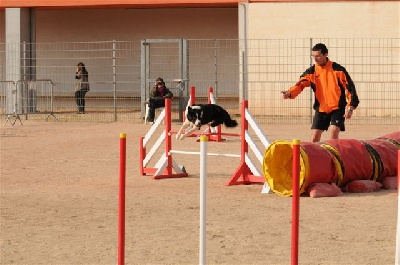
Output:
x=295 y=201
x=121 y=208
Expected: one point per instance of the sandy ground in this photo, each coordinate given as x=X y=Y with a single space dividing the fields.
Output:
x=59 y=204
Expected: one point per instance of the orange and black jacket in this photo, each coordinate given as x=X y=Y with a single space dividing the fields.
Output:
x=332 y=86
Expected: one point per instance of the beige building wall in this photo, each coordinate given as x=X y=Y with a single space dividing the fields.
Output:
x=72 y=25
x=360 y=19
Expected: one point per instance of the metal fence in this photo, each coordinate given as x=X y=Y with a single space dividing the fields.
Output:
x=26 y=97
x=121 y=73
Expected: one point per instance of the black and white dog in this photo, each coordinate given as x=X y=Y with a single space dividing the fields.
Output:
x=198 y=115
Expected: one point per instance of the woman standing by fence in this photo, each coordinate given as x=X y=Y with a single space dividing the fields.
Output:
x=82 y=87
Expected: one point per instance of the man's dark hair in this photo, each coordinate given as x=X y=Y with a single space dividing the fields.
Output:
x=320 y=47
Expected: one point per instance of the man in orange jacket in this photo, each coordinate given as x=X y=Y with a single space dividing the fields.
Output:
x=335 y=94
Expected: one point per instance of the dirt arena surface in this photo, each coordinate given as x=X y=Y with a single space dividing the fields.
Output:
x=59 y=204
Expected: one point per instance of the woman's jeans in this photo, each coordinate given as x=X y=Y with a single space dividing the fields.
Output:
x=80 y=100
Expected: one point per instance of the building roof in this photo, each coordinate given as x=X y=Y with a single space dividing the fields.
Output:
x=119 y=3
x=144 y=3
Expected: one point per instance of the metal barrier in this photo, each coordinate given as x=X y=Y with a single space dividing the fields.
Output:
x=8 y=103
x=6 y=88
x=34 y=97
x=26 y=97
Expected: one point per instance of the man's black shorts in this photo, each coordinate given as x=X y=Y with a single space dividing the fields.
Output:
x=322 y=120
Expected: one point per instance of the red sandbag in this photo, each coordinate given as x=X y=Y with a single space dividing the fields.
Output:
x=318 y=190
x=390 y=183
x=362 y=186
x=355 y=159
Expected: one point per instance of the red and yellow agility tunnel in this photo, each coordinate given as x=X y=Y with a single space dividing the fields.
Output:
x=338 y=161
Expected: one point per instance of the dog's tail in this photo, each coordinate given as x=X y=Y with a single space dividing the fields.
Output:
x=229 y=122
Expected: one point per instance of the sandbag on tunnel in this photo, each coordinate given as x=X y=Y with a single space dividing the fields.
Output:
x=338 y=161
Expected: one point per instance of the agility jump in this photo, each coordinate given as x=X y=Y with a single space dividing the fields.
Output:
x=246 y=172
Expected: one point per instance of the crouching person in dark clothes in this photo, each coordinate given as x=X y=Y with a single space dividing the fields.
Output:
x=158 y=94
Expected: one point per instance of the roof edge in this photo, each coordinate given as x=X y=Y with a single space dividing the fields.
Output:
x=148 y=3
